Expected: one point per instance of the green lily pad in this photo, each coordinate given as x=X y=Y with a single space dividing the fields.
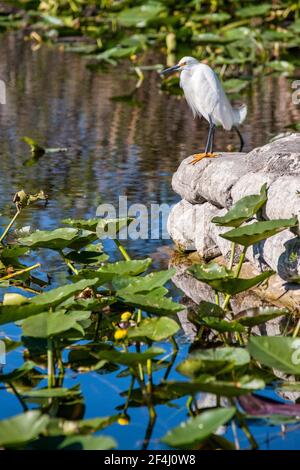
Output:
x=213 y=361
x=155 y=329
x=223 y=326
x=278 y=352
x=223 y=280
x=190 y=433
x=88 y=443
x=58 y=239
x=152 y=302
x=22 y=428
x=129 y=358
x=42 y=302
x=47 y=324
x=258 y=315
x=254 y=233
x=17 y=373
x=243 y=210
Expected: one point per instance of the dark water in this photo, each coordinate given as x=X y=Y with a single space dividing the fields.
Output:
x=115 y=147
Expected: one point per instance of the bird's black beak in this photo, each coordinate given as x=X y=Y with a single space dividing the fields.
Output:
x=173 y=69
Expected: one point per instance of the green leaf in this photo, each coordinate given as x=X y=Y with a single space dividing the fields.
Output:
x=128 y=358
x=92 y=255
x=208 y=309
x=210 y=272
x=281 y=66
x=139 y=16
x=223 y=325
x=17 y=373
x=243 y=210
x=253 y=233
x=147 y=283
x=11 y=253
x=88 y=443
x=235 y=85
x=155 y=329
x=213 y=361
x=107 y=272
x=47 y=324
x=42 y=302
x=58 y=239
x=219 y=17
x=22 y=428
x=253 y=10
x=82 y=224
x=153 y=302
x=258 y=315
x=60 y=426
x=195 y=430
x=278 y=352
x=51 y=393
x=223 y=280
x=109 y=228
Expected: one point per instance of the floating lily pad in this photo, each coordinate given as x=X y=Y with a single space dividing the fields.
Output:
x=188 y=434
x=155 y=329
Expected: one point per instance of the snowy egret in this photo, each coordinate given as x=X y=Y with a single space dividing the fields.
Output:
x=206 y=97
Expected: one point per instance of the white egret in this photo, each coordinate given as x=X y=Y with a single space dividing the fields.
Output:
x=206 y=97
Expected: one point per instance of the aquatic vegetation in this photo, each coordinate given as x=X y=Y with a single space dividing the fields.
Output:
x=116 y=317
x=233 y=35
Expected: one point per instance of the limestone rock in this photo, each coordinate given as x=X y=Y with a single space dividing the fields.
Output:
x=210 y=187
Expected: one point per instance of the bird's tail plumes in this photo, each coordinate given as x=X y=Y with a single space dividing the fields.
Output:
x=240 y=114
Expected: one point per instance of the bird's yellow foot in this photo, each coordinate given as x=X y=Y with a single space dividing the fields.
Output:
x=199 y=156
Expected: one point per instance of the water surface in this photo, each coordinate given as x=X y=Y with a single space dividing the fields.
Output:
x=115 y=147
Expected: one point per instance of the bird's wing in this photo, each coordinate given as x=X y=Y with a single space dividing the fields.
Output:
x=211 y=98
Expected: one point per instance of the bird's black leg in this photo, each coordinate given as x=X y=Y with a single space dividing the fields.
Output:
x=240 y=137
x=208 y=138
x=209 y=145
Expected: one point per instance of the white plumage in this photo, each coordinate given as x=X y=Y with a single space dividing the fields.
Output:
x=206 y=97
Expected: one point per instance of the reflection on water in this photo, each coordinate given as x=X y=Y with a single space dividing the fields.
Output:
x=115 y=148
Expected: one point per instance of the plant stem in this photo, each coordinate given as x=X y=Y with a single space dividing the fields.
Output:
x=122 y=249
x=232 y=255
x=68 y=263
x=129 y=393
x=240 y=263
x=9 y=226
x=217 y=298
x=22 y=402
x=50 y=363
x=61 y=374
x=296 y=330
x=139 y=316
x=189 y=403
x=236 y=275
x=149 y=371
x=22 y=271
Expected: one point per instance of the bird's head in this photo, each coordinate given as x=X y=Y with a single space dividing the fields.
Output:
x=185 y=63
